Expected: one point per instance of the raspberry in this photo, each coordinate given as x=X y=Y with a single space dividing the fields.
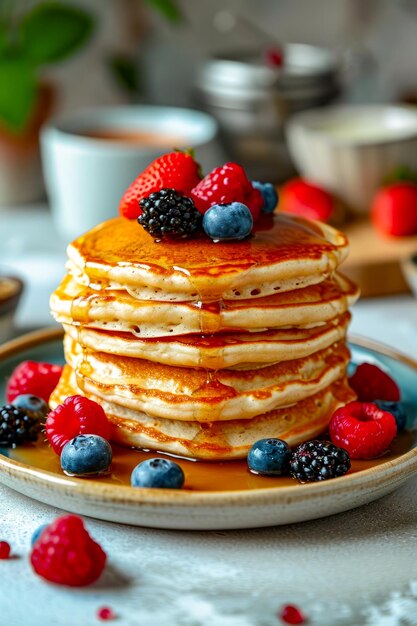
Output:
x=291 y=614
x=224 y=185
x=274 y=56
x=65 y=553
x=30 y=377
x=363 y=429
x=371 y=383
x=106 y=613
x=76 y=416
x=4 y=550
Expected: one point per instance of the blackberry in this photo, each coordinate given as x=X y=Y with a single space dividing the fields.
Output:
x=318 y=460
x=16 y=427
x=169 y=213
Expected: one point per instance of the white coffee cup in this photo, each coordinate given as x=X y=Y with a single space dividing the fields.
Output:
x=90 y=157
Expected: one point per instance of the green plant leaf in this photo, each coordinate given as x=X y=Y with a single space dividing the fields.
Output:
x=400 y=174
x=167 y=8
x=3 y=37
x=52 y=31
x=18 y=91
x=124 y=70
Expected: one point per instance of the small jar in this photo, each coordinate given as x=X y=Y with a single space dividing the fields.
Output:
x=252 y=101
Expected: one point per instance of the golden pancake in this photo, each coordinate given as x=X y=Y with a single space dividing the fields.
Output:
x=285 y=253
x=200 y=348
x=236 y=350
x=188 y=394
x=117 y=311
x=220 y=440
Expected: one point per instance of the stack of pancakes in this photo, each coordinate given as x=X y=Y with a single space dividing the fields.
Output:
x=199 y=348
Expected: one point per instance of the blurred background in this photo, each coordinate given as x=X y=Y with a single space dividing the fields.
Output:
x=378 y=38
x=89 y=78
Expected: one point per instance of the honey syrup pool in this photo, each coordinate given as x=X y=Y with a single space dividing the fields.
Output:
x=199 y=475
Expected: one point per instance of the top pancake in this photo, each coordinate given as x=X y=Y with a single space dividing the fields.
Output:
x=285 y=253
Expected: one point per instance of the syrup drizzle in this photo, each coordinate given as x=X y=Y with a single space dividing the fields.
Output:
x=209 y=270
x=199 y=475
x=197 y=264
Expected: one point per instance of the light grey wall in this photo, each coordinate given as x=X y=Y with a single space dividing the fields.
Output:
x=380 y=36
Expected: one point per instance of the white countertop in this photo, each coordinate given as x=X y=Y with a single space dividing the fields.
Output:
x=351 y=569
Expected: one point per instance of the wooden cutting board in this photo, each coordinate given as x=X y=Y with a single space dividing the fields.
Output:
x=374 y=262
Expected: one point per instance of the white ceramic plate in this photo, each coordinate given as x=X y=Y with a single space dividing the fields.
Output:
x=204 y=510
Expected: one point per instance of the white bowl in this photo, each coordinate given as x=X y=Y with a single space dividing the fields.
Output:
x=349 y=149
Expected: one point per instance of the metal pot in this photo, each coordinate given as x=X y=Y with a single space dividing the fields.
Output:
x=252 y=101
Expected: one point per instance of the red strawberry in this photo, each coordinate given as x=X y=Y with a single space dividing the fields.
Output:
x=176 y=170
x=363 y=429
x=303 y=198
x=76 y=416
x=226 y=184
x=394 y=209
x=36 y=378
x=65 y=553
x=371 y=383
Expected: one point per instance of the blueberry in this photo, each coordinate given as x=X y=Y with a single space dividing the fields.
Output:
x=158 y=473
x=270 y=456
x=397 y=409
x=228 y=221
x=38 y=533
x=86 y=454
x=32 y=406
x=269 y=195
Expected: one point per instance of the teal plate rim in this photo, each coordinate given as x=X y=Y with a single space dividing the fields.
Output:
x=405 y=465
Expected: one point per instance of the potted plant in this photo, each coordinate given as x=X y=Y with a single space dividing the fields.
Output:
x=30 y=39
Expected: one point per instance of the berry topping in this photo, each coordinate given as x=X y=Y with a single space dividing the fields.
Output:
x=30 y=377
x=167 y=213
x=397 y=409
x=16 y=427
x=269 y=195
x=394 y=211
x=371 y=383
x=85 y=455
x=4 y=550
x=65 y=553
x=301 y=197
x=224 y=185
x=75 y=416
x=158 y=473
x=105 y=613
x=274 y=56
x=37 y=533
x=363 y=429
x=318 y=460
x=32 y=405
x=270 y=457
x=223 y=222
x=176 y=170
x=291 y=614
